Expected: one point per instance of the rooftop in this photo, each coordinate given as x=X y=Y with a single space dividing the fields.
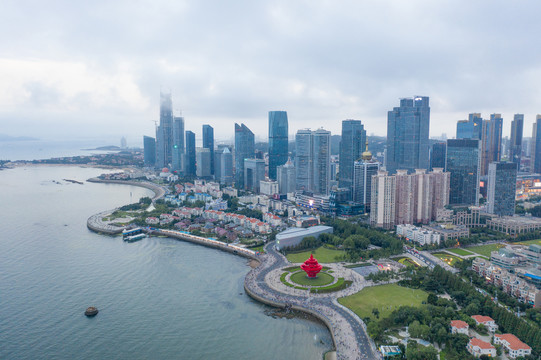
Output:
x=459 y=324
x=514 y=342
x=481 y=344
x=482 y=319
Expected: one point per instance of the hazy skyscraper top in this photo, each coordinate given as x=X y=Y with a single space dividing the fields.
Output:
x=408 y=128
x=278 y=141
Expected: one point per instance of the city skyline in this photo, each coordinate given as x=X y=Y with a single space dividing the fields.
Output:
x=92 y=73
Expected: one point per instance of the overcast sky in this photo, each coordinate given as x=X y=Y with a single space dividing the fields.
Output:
x=95 y=68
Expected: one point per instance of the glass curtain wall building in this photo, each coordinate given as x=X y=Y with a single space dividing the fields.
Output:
x=149 y=145
x=515 y=147
x=407 y=135
x=178 y=143
x=278 y=141
x=351 y=147
x=164 y=132
x=208 y=143
x=463 y=164
x=244 y=149
x=190 y=154
x=502 y=184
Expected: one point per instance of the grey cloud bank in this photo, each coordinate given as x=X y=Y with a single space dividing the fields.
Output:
x=96 y=69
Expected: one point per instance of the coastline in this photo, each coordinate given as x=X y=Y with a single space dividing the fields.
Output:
x=256 y=264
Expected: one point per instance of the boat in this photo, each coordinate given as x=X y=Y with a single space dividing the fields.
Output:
x=134 y=238
x=91 y=311
x=133 y=235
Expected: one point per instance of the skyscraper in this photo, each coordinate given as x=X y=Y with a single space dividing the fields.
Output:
x=286 y=178
x=463 y=164
x=537 y=145
x=244 y=149
x=515 y=146
x=407 y=135
x=303 y=159
x=208 y=143
x=321 y=161
x=471 y=128
x=178 y=143
x=363 y=170
x=164 y=132
x=149 y=144
x=382 y=208
x=502 y=185
x=491 y=141
x=254 y=172
x=351 y=147
x=278 y=141
x=189 y=162
x=223 y=166
x=203 y=162
x=437 y=155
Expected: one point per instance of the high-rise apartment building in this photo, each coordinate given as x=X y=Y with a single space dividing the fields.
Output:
x=502 y=186
x=164 y=132
x=437 y=155
x=303 y=159
x=208 y=143
x=321 y=161
x=351 y=146
x=189 y=163
x=254 y=172
x=149 y=145
x=244 y=149
x=407 y=135
x=463 y=161
x=382 y=207
x=278 y=141
x=178 y=143
x=286 y=178
x=515 y=146
x=363 y=170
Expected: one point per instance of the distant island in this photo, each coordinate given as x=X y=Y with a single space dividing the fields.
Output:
x=5 y=137
x=107 y=148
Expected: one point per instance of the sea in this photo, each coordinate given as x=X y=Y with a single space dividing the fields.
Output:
x=158 y=298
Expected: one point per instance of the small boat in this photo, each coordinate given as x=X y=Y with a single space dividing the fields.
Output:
x=91 y=311
x=135 y=238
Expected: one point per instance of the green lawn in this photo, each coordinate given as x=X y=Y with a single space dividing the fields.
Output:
x=406 y=261
x=448 y=258
x=321 y=279
x=485 y=250
x=323 y=255
x=460 y=252
x=530 y=242
x=385 y=298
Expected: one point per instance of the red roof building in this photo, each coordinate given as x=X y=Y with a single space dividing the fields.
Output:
x=459 y=327
x=513 y=345
x=478 y=347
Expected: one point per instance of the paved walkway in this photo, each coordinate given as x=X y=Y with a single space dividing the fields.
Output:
x=349 y=332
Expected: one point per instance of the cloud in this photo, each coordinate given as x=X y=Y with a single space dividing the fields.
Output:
x=100 y=65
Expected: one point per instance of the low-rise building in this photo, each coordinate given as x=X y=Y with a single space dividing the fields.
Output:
x=459 y=327
x=418 y=235
x=515 y=348
x=505 y=258
x=513 y=225
x=487 y=321
x=293 y=236
x=478 y=347
x=448 y=231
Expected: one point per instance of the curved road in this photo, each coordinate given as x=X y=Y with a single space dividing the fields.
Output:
x=351 y=339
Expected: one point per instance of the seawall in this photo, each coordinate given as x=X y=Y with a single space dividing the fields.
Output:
x=159 y=192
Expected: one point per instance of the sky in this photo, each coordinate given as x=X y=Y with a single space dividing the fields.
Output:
x=73 y=69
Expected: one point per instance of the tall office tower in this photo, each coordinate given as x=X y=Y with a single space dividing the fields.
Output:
x=536 y=139
x=189 y=163
x=149 y=144
x=303 y=159
x=407 y=135
x=321 y=144
x=351 y=147
x=278 y=133
x=286 y=178
x=363 y=170
x=224 y=167
x=178 y=143
x=471 y=128
x=491 y=141
x=203 y=157
x=502 y=186
x=164 y=133
x=437 y=155
x=208 y=143
x=244 y=149
x=382 y=207
x=463 y=163
x=515 y=146
x=254 y=172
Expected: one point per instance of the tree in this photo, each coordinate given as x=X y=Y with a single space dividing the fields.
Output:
x=375 y=311
x=432 y=299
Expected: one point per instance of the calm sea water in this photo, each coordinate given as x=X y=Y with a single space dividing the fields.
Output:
x=46 y=149
x=158 y=298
